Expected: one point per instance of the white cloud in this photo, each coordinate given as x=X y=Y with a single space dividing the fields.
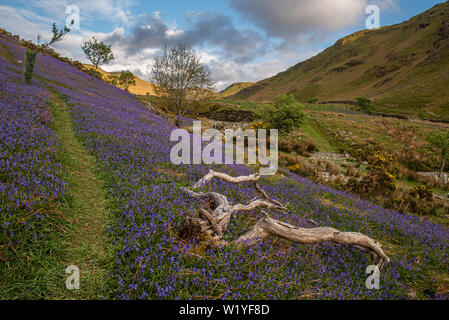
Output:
x=115 y=11
x=290 y=19
x=233 y=54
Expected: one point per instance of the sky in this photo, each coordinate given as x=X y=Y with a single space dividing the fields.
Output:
x=240 y=40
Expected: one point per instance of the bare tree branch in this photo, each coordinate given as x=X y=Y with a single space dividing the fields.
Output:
x=223 y=176
x=269 y=227
x=179 y=76
x=216 y=223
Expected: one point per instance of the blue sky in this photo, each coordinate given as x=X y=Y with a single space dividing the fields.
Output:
x=240 y=40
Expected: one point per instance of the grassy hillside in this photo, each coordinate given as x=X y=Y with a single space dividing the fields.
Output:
x=142 y=87
x=404 y=68
x=85 y=165
x=233 y=89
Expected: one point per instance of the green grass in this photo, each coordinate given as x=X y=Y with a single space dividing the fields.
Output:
x=234 y=88
x=403 y=68
x=339 y=108
x=86 y=244
x=320 y=140
x=75 y=235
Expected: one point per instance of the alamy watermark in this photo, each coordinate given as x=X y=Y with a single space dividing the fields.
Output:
x=73 y=280
x=373 y=281
x=220 y=150
x=373 y=20
x=73 y=20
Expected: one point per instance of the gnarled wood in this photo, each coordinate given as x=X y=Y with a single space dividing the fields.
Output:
x=211 y=220
x=223 y=176
x=216 y=223
x=269 y=227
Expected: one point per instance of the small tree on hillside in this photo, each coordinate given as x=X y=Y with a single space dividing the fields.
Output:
x=112 y=79
x=365 y=104
x=30 y=55
x=285 y=114
x=179 y=76
x=98 y=53
x=439 y=145
x=126 y=79
x=58 y=35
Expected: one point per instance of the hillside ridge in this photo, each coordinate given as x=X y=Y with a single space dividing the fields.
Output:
x=404 y=68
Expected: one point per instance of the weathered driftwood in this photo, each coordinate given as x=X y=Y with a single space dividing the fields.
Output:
x=215 y=222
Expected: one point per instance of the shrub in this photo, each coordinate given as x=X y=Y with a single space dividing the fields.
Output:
x=30 y=58
x=380 y=179
x=256 y=125
x=352 y=172
x=287 y=160
x=364 y=150
x=306 y=170
x=285 y=114
x=418 y=200
x=313 y=100
x=97 y=74
x=365 y=104
x=302 y=147
x=415 y=159
x=421 y=192
x=445 y=185
x=126 y=79
x=332 y=168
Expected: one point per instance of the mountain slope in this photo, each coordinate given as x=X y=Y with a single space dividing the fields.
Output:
x=128 y=148
x=404 y=68
x=142 y=87
x=233 y=89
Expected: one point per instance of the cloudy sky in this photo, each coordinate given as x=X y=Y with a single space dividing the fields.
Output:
x=240 y=40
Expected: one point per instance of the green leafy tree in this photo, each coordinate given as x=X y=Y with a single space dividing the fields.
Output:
x=112 y=79
x=365 y=104
x=58 y=35
x=285 y=114
x=98 y=53
x=126 y=79
x=439 y=145
x=179 y=77
x=30 y=55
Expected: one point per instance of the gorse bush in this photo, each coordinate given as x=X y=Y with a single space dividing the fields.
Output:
x=421 y=192
x=380 y=179
x=256 y=125
x=417 y=200
x=285 y=114
x=30 y=58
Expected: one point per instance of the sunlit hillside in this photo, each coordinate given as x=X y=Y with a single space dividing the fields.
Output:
x=142 y=87
x=404 y=68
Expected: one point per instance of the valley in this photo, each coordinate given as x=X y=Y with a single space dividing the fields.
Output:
x=88 y=181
